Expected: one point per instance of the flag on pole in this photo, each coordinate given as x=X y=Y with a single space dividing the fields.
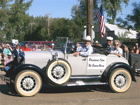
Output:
x=100 y=17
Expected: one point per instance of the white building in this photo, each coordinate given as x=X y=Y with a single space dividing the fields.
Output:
x=115 y=31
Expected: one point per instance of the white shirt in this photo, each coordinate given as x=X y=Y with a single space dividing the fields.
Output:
x=85 y=51
x=117 y=51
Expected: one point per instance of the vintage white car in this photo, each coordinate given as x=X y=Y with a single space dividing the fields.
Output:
x=59 y=67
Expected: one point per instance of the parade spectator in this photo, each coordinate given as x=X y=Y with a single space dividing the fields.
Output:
x=18 y=55
x=1 y=49
x=9 y=47
x=6 y=50
x=116 y=50
x=87 y=49
x=45 y=48
x=8 y=59
x=17 y=50
x=26 y=48
x=135 y=49
x=36 y=48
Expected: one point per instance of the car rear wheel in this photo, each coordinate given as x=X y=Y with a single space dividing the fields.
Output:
x=28 y=83
x=120 y=80
x=58 y=72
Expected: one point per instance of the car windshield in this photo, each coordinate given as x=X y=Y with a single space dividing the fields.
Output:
x=60 y=43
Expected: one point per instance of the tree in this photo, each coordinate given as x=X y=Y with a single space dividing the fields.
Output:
x=79 y=16
x=135 y=16
x=19 y=19
x=112 y=7
x=4 y=16
x=123 y=36
x=133 y=20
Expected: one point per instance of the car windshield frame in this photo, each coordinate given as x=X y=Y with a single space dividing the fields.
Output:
x=61 y=43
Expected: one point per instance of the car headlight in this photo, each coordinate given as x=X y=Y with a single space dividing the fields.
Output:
x=55 y=56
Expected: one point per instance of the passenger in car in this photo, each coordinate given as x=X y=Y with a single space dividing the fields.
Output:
x=135 y=49
x=45 y=48
x=87 y=49
x=36 y=48
x=26 y=48
x=78 y=47
x=116 y=50
x=108 y=45
x=125 y=51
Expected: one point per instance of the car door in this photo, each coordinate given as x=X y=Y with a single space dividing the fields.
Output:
x=96 y=64
x=78 y=64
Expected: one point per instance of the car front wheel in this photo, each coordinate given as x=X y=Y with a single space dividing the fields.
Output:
x=28 y=83
x=120 y=80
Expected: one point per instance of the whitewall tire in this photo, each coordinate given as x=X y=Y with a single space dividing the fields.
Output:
x=58 y=72
x=120 y=80
x=28 y=83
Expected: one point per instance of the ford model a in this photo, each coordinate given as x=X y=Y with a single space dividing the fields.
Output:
x=60 y=68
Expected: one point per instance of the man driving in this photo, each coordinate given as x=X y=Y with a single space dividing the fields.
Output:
x=87 y=49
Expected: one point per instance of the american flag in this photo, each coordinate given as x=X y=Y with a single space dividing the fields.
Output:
x=100 y=17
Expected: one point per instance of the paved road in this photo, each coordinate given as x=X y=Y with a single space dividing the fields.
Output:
x=91 y=95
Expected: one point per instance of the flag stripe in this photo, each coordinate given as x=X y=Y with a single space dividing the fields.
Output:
x=100 y=17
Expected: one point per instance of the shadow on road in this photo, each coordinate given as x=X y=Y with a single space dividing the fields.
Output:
x=4 y=89
x=71 y=89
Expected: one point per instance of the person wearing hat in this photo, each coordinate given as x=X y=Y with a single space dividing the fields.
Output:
x=109 y=43
x=6 y=50
x=87 y=49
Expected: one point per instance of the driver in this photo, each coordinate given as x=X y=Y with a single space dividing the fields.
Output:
x=87 y=49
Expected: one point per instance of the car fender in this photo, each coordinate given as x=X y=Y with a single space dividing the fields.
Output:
x=32 y=67
x=111 y=67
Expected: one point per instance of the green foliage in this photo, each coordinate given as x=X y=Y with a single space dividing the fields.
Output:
x=123 y=37
x=112 y=7
x=131 y=21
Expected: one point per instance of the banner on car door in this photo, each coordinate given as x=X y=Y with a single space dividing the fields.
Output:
x=96 y=62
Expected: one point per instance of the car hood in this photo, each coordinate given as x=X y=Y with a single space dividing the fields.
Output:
x=40 y=58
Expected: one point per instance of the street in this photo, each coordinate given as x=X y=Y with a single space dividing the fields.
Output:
x=88 y=95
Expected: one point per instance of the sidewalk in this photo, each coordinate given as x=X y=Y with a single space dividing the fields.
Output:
x=2 y=73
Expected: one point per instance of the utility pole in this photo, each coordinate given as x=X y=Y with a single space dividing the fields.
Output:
x=48 y=20
x=89 y=17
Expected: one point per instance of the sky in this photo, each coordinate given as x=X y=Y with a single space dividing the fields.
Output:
x=62 y=8
x=53 y=8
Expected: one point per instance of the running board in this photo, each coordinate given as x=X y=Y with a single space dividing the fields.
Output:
x=85 y=80
x=81 y=83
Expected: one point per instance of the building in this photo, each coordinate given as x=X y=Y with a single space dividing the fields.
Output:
x=116 y=32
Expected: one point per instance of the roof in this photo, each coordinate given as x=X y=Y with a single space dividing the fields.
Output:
x=132 y=34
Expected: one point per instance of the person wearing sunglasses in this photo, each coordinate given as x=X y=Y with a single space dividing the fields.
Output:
x=108 y=45
x=116 y=50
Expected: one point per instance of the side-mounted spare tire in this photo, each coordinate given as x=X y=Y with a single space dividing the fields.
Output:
x=58 y=72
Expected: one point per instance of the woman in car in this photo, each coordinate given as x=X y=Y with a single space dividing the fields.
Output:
x=36 y=48
x=45 y=48
x=116 y=50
